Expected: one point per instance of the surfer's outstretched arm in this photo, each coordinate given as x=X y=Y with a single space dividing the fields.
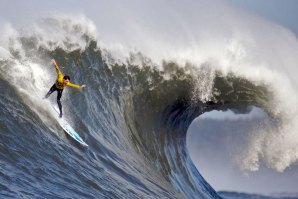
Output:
x=57 y=68
x=75 y=85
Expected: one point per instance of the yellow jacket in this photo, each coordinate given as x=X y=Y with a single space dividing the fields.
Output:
x=59 y=81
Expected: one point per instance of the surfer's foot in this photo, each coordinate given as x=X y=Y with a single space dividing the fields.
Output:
x=47 y=95
x=60 y=115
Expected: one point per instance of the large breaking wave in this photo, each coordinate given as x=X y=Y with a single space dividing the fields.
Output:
x=134 y=113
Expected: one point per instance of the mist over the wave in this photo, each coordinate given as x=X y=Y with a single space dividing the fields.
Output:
x=219 y=143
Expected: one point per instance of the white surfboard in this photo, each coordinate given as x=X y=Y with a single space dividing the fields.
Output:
x=69 y=130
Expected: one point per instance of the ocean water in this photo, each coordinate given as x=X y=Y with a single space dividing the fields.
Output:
x=133 y=114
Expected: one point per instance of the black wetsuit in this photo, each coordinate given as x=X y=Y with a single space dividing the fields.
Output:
x=59 y=95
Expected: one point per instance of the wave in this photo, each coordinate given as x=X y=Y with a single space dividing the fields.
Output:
x=134 y=115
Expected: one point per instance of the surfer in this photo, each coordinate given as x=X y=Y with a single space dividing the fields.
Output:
x=61 y=82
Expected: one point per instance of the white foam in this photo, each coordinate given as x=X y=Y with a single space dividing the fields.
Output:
x=66 y=32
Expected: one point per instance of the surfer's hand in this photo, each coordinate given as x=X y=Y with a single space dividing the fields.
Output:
x=82 y=86
x=53 y=61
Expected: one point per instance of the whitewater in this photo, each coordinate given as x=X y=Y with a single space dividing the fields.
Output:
x=145 y=86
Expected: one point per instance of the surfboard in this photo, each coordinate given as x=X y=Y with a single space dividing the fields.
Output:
x=69 y=130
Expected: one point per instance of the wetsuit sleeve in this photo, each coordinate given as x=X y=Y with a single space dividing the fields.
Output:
x=59 y=74
x=73 y=85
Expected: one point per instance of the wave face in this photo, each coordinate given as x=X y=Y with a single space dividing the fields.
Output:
x=134 y=116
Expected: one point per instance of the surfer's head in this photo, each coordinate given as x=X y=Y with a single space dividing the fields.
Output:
x=66 y=79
